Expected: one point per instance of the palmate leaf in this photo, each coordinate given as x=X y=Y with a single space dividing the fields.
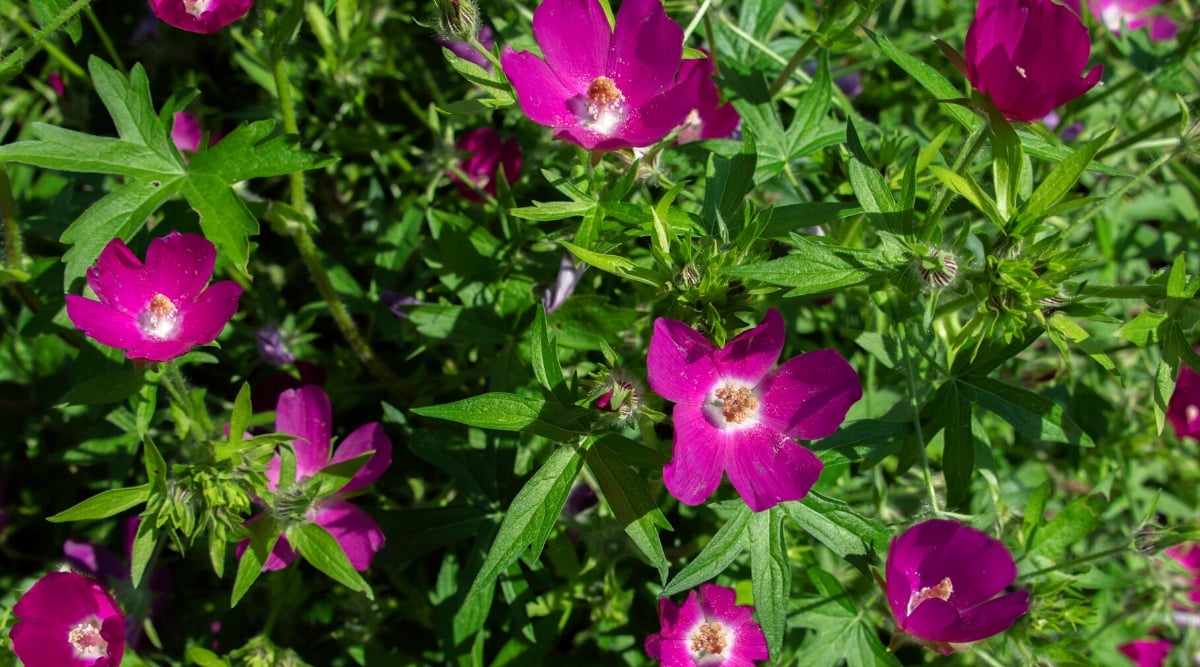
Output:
x=155 y=171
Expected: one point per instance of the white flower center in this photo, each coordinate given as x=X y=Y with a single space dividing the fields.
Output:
x=86 y=640
x=160 y=319
x=731 y=404
x=1113 y=17
x=708 y=643
x=196 y=7
x=604 y=108
x=942 y=591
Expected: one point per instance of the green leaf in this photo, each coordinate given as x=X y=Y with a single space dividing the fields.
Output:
x=144 y=542
x=1035 y=509
x=323 y=552
x=728 y=182
x=795 y=217
x=1029 y=413
x=331 y=478
x=132 y=110
x=239 y=419
x=501 y=411
x=1143 y=330
x=967 y=188
x=46 y=11
x=630 y=500
x=929 y=78
x=720 y=551
x=250 y=151
x=156 y=467
x=104 y=388
x=771 y=571
x=1070 y=526
x=958 y=452
x=842 y=629
x=617 y=265
x=264 y=533
x=104 y=504
x=1007 y=163
x=527 y=524
x=69 y=150
x=557 y=210
x=544 y=353
x=869 y=187
x=815 y=267
x=835 y=524
x=1060 y=181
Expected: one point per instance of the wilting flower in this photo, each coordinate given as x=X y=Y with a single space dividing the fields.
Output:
x=710 y=119
x=306 y=414
x=469 y=53
x=1183 y=410
x=599 y=87
x=736 y=415
x=68 y=620
x=708 y=630
x=1119 y=15
x=483 y=155
x=160 y=310
x=1147 y=652
x=202 y=16
x=564 y=283
x=1027 y=55
x=942 y=579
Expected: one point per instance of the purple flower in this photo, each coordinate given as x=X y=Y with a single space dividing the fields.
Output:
x=849 y=83
x=1147 y=652
x=68 y=620
x=1026 y=55
x=564 y=283
x=708 y=630
x=186 y=132
x=483 y=155
x=736 y=415
x=306 y=414
x=160 y=310
x=942 y=579
x=273 y=346
x=467 y=52
x=397 y=301
x=202 y=16
x=599 y=87
x=710 y=119
x=1134 y=15
x=56 y=82
x=1183 y=410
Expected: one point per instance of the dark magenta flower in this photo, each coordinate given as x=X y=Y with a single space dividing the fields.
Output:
x=942 y=582
x=1147 y=652
x=202 y=16
x=186 y=132
x=1027 y=56
x=483 y=153
x=1183 y=410
x=710 y=119
x=465 y=51
x=307 y=414
x=708 y=630
x=737 y=414
x=160 y=310
x=68 y=620
x=601 y=87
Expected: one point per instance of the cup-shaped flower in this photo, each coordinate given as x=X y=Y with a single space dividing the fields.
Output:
x=202 y=16
x=483 y=153
x=601 y=87
x=708 y=630
x=1118 y=15
x=942 y=582
x=710 y=119
x=160 y=310
x=1183 y=410
x=1147 y=652
x=68 y=620
x=307 y=414
x=1027 y=56
x=735 y=415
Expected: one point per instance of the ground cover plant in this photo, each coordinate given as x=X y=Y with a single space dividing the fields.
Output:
x=591 y=332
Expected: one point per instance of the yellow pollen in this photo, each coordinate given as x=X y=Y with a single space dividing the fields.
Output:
x=161 y=306
x=737 y=403
x=709 y=639
x=942 y=591
x=603 y=92
x=87 y=641
x=1021 y=71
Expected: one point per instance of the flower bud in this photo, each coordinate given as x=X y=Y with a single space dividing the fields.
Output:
x=458 y=19
x=938 y=268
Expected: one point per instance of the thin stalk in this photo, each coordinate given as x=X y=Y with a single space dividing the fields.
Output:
x=911 y=375
x=1107 y=553
x=312 y=259
x=943 y=197
x=108 y=45
x=695 y=23
x=13 y=256
x=40 y=36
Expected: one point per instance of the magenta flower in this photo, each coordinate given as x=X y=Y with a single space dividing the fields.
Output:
x=1147 y=652
x=186 y=132
x=1188 y=556
x=942 y=579
x=733 y=414
x=708 y=630
x=710 y=119
x=306 y=414
x=599 y=87
x=160 y=310
x=202 y=16
x=68 y=620
x=483 y=155
x=1183 y=410
x=1027 y=55
x=1134 y=15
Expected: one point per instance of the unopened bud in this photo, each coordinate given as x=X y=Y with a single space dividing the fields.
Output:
x=458 y=19
x=621 y=396
x=938 y=268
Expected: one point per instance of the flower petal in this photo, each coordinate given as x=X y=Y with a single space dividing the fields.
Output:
x=574 y=37
x=306 y=414
x=357 y=533
x=62 y=599
x=94 y=560
x=751 y=354
x=646 y=51
x=43 y=646
x=808 y=396
x=368 y=437
x=542 y=96
x=180 y=265
x=977 y=565
x=202 y=320
x=989 y=618
x=698 y=455
x=119 y=279
x=651 y=122
x=104 y=324
x=767 y=467
x=931 y=620
x=679 y=364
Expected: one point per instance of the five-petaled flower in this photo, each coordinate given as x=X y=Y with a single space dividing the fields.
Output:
x=483 y=154
x=160 y=310
x=306 y=414
x=708 y=630
x=600 y=87
x=1027 y=55
x=942 y=582
x=1183 y=410
x=68 y=620
x=733 y=414
x=1117 y=15
x=202 y=16
x=710 y=119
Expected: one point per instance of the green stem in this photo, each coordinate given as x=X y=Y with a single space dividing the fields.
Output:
x=911 y=374
x=1115 y=551
x=195 y=410
x=108 y=45
x=943 y=197
x=14 y=259
x=700 y=14
x=312 y=259
x=14 y=58
x=812 y=43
